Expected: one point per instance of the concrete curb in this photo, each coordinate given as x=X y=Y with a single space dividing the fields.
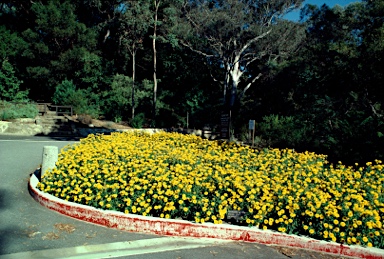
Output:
x=171 y=227
x=3 y=126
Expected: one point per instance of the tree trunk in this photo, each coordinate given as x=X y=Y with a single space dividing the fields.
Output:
x=235 y=73
x=133 y=79
x=156 y=3
x=225 y=87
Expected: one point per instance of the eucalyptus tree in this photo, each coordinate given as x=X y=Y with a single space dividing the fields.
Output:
x=156 y=6
x=149 y=17
x=163 y=11
x=234 y=34
x=134 y=21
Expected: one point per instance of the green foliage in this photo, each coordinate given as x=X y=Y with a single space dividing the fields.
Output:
x=83 y=101
x=139 y=121
x=9 y=111
x=65 y=92
x=90 y=72
x=135 y=18
x=60 y=47
x=286 y=131
x=11 y=44
x=144 y=93
x=332 y=88
x=10 y=84
x=118 y=99
x=345 y=129
x=217 y=31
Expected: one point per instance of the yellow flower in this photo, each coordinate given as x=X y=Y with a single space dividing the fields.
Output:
x=163 y=172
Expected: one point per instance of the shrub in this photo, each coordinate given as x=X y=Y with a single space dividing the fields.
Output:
x=9 y=84
x=83 y=101
x=9 y=111
x=284 y=131
x=118 y=98
x=138 y=121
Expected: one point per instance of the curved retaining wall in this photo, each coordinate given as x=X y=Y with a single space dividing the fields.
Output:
x=171 y=227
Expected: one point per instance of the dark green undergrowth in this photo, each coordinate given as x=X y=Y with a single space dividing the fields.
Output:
x=9 y=111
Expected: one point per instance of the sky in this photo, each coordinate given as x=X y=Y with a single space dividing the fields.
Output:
x=295 y=15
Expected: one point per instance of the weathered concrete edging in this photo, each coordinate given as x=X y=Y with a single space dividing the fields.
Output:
x=171 y=227
x=3 y=126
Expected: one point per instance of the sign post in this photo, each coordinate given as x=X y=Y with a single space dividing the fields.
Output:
x=224 y=126
x=252 y=131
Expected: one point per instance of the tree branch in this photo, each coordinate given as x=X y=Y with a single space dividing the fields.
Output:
x=249 y=84
x=251 y=41
x=195 y=50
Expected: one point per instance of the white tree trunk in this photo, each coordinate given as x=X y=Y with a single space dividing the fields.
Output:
x=236 y=74
x=157 y=4
x=133 y=79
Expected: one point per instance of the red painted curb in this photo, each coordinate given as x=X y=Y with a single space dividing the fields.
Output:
x=171 y=227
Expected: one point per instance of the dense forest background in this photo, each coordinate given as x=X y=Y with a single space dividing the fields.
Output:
x=310 y=85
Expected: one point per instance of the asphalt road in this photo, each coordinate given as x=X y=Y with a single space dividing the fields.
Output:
x=29 y=230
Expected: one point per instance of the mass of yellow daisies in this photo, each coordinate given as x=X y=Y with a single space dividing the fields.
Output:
x=176 y=176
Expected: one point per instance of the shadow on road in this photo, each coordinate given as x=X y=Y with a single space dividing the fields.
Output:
x=7 y=229
x=3 y=230
x=60 y=138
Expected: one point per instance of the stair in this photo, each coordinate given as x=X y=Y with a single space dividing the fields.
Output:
x=54 y=125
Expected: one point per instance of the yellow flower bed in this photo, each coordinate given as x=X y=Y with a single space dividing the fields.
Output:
x=170 y=175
